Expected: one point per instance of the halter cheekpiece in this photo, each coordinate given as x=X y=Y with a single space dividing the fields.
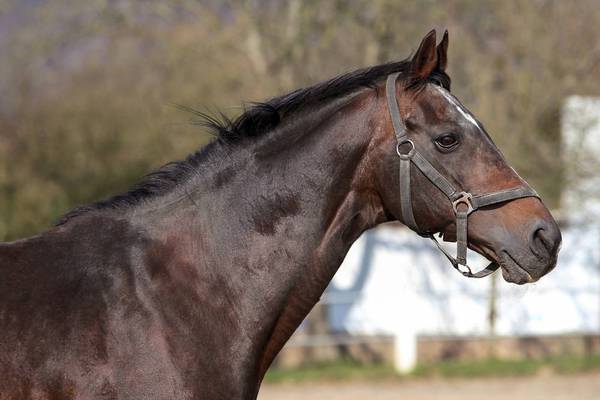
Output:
x=463 y=203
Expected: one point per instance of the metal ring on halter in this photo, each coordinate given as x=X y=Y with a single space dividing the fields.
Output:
x=411 y=152
x=464 y=198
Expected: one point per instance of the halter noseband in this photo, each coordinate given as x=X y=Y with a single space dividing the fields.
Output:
x=463 y=203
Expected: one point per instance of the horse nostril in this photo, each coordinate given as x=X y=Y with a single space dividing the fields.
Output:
x=539 y=241
x=545 y=240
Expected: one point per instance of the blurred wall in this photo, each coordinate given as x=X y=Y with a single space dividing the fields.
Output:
x=393 y=280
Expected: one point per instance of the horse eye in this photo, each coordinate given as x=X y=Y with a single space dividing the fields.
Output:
x=446 y=141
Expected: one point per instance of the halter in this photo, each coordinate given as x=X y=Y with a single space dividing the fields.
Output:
x=463 y=203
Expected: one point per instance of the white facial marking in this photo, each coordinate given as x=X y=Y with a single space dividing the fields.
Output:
x=458 y=106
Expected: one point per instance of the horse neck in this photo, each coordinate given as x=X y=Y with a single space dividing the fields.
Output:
x=276 y=221
x=317 y=189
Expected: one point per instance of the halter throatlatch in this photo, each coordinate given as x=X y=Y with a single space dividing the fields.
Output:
x=463 y=203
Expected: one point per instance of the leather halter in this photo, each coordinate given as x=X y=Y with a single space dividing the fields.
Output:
x=463 y=203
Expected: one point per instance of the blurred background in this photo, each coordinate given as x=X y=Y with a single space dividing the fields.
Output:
x=90 y=96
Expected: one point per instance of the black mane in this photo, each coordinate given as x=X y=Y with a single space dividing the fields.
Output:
x=259 y=119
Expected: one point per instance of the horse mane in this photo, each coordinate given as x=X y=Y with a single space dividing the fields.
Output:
x=258 y=120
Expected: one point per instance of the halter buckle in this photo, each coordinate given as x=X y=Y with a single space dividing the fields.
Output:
x=410 y=153
x=464 y=198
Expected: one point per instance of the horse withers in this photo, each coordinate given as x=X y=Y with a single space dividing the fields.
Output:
x=188 y=286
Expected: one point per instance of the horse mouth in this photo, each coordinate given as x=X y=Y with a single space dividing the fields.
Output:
x=512 y=271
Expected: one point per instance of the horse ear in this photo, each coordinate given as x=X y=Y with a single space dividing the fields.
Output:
x=442 y=52
x=425 y=59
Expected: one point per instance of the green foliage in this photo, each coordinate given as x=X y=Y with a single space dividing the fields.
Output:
x=332 y=371
x=88 y=88
x=497 y=367
x=347 y=370
x=489 y=367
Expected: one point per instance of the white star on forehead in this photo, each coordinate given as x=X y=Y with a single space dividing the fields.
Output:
x=458 y=106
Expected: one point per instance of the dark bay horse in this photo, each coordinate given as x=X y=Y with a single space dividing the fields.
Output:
x=187 y=286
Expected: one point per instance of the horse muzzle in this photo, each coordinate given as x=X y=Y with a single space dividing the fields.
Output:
x=528 y=264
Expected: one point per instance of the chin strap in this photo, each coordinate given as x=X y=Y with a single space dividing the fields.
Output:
x=463 y=203
x=463 y=268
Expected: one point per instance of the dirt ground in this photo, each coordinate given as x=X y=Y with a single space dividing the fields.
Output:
x=551 y=387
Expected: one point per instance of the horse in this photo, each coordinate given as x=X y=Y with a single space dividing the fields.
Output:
x=188 y=285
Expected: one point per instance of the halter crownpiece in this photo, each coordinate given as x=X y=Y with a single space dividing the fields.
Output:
x=463 y=203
